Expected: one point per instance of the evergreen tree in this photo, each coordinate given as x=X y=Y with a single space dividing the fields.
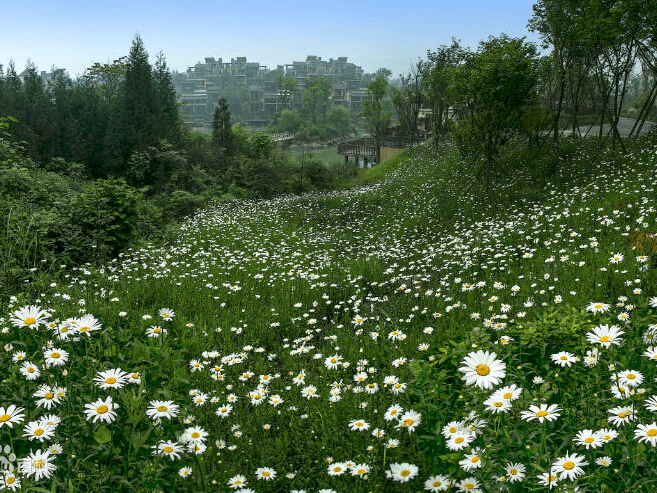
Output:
x=221 y=128
x=140 y=103
x=169 y=120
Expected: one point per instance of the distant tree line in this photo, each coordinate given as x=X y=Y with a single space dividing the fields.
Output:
x=317 y=119
x=93 y=165
x=99 y=119
x=600 y=64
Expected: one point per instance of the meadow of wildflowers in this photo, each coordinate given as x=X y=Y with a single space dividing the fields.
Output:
x=403 y=336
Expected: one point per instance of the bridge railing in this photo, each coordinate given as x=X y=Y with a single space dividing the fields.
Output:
x=282 y=136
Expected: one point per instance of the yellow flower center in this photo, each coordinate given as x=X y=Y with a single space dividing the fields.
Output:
x=38 y=464
x=39 y=432
x=605 y=339
x=168 y=449
x=157 y=330
x=265 y=473
x=4 y=418
x=84 y=329
x=135 y=375
x=630 y=376
x=508 y=395
x=110 y=381
x=475 y=459
x=359 y=423
x=55 y=355
x=10 y=480
x=483 y=370
x=589 y=440
x=361 y=471
x=333 y=360
x=436 y=484
x=652 y=432
x=162 y=408
x=498 y=404
x=569 y=465
x=29 y=321
x=408 y=422
x=459 y=440
x=452 y=429
x=31 y=369
x=405 y=473
x=563 y=358
x=337 y=469
x=102 y=409
x=49 y=395
x=540 y=414
x=513 y=472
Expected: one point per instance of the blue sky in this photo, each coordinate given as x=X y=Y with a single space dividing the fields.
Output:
x=73 y=34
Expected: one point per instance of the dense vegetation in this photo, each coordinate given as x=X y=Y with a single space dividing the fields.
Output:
x=318 y=343
x=91 y=166
x=480 y=314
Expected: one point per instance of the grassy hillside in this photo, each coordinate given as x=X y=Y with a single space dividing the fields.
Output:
x=322 y=343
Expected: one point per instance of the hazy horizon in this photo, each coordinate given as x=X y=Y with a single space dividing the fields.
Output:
x=74 y=35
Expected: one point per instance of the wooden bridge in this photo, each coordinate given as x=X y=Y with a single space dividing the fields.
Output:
x=280 y=137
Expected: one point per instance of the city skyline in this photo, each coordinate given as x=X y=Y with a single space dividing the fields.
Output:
x=74 y=35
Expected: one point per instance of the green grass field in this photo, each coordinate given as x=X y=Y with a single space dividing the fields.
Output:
x=403 y=335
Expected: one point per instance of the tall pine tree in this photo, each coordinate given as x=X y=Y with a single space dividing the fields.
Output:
x=169 y=120
x=140 y=103
x=222 y=129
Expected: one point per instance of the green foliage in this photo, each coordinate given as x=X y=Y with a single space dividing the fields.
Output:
x=338 y=117
x=494 y=88
x=168 y=121
x=408 y=100
x=316 y=97
x=182 y=203
x=259 y=145
x=287 y=121
x=106 y=213
x=141 y=108
x=221 y=128
x=553 y=327
x=377 y=111
x=437 y=73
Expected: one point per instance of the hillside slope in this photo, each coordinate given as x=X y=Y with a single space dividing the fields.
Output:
x=318 y=343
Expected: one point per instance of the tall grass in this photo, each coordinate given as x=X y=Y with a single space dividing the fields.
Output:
x=331 y=316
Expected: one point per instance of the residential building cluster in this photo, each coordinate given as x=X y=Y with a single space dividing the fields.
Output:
x=253 y=92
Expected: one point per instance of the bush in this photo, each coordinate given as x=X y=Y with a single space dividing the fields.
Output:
x=106 y=214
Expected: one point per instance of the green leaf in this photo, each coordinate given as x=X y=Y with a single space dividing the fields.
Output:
x=102 y=434
x=111 y=352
